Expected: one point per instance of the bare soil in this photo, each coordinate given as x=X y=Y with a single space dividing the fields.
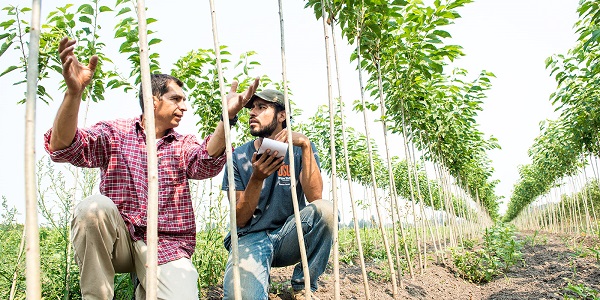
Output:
x=549 y=265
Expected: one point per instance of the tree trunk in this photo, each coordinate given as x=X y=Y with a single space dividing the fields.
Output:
x=303 y=256
x=149 y=128
x=237 y=290
x=348 y=172
x=32 y=236
x=336 y=248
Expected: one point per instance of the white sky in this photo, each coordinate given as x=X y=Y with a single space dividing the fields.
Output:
x=511 y=38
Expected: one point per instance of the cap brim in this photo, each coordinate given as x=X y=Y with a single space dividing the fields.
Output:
x=249 y=104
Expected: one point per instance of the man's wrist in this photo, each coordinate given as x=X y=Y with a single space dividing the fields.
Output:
x=254 y=177
x=233 y=121
x=73 y=94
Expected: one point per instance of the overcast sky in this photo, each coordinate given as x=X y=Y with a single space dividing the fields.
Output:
x=511 y=38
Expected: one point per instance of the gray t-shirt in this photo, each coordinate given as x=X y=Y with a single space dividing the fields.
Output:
x=275 y=202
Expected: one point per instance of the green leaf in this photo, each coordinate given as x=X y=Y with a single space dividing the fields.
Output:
x=124 y=10
x=593 y=38
x=105 y=9
x=86 y=9
x=5 y=47
x=7 y=24
x=8 y=70
x=442 y=33
x=85 y=19
x=154 y=41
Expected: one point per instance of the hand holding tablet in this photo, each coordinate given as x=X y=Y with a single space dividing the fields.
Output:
x=273 y=145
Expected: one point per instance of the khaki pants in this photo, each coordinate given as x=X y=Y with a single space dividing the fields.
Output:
x=103 y=247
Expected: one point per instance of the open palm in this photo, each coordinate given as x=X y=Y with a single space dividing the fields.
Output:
x=77 y=76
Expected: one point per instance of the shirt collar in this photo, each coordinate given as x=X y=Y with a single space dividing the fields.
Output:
x=170 y=134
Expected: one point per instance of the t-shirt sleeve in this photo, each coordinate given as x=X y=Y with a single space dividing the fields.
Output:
x=239 y=185
x=316 y=154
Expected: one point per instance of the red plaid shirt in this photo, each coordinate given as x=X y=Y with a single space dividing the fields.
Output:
x=118 y=148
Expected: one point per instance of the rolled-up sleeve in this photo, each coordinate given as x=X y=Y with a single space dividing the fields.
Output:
x=90 y=147
x=200 y=165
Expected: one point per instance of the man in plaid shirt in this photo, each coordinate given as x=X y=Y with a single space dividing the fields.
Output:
x=109 y=230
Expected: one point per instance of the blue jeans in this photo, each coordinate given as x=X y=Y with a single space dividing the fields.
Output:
x=259 y=251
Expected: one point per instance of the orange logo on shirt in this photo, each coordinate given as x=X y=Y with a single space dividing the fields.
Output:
x=284 y=171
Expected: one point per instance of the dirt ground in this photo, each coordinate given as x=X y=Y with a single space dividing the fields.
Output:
x=548 y=266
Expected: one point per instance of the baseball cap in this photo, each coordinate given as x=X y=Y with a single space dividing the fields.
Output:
x=269 y=95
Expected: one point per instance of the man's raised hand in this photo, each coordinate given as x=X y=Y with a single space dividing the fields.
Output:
x=236 y=101
x=77 y=76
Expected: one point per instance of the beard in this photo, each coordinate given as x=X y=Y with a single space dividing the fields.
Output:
x=265 y=131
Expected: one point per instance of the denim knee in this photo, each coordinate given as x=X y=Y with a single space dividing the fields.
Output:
x=324 y=210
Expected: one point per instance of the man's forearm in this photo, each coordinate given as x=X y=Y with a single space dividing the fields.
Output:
x=65 y=122
x=248 y=201
x=310 y=177
x=216 y=144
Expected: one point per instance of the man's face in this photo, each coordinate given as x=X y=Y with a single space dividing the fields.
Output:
x=169 y=108
x=263 y=119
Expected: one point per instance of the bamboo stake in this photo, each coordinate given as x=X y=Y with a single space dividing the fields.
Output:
x=445 y=235
x=577 y=198
x=237 y=289
x=288 y=111
x=13 y=286
x=336 y=246
x=454 y=186
x=589 y=196
x=478 y=231
x=533 y=220
x=584 y=198
x=420 y=197
x=373 y=177
x=152 y=210
x=555 y=210
x=468 y=210
x=412 y=192
x=444 y=197
x=389 y=166
x=32 y=273
x=449 y=208
x=403 y=234
x=341 y=200
x=348 y=172
x=427 y=222
x=576 y=209
x=551 y=214
x=435 y=225
x=565 y=215
x=66 y=296
x=395 y=211
x=559 y=216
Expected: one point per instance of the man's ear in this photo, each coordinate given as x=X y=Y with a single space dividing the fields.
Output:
x=281 y=116
x=155 y=101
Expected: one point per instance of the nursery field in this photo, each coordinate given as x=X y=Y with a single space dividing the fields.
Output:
x=543 y=266
x=404 y=158
x=551 y=267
